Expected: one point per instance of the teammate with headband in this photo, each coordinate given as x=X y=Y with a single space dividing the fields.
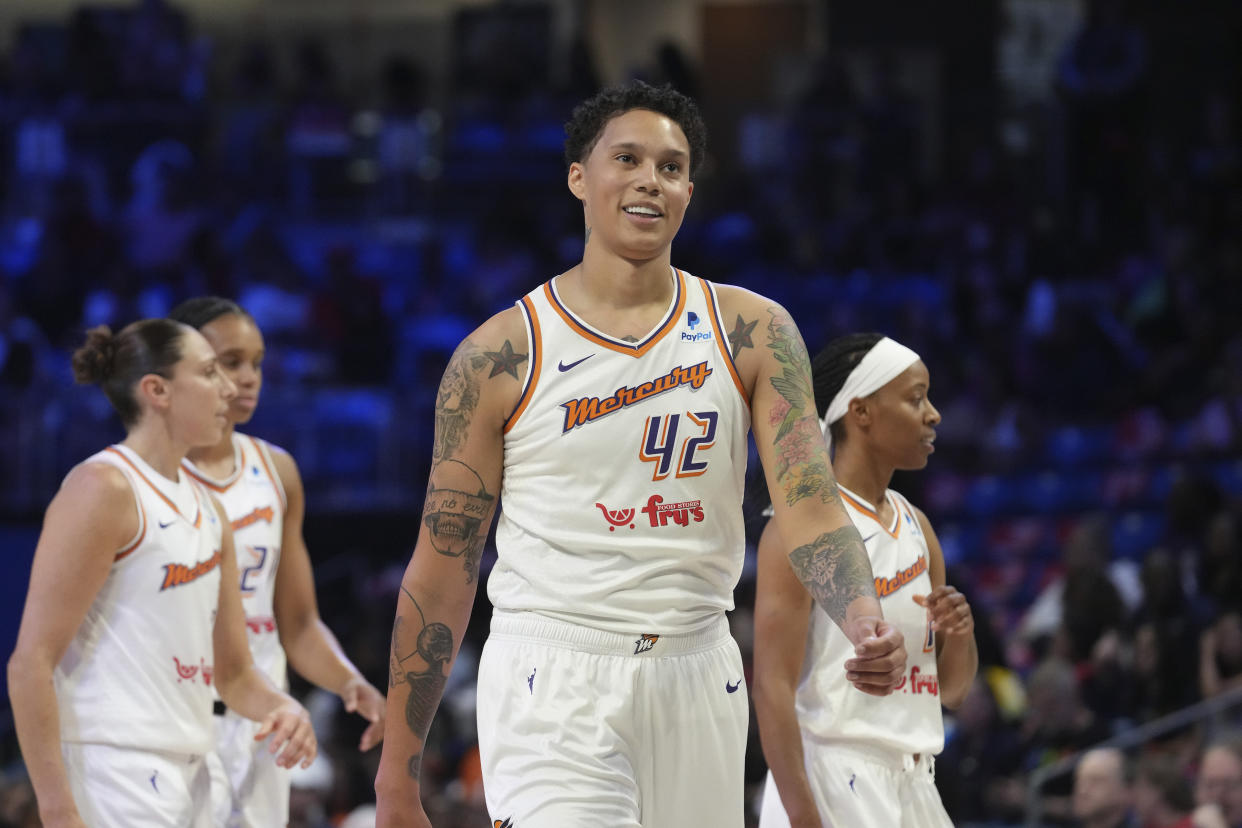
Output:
x=837 y=756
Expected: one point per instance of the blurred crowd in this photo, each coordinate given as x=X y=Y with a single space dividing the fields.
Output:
x=1075 y=294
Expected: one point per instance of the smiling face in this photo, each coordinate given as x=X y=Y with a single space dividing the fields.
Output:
x=635 y=185
x=197 y=397
x=901 y=423
x=239 y=349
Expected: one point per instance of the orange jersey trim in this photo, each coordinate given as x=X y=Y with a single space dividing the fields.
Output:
x=198 y=518
x=612 y=345
x=280 y=488
x=142 y=517
x=871 y=513
x=721 y=339
x=536 y=358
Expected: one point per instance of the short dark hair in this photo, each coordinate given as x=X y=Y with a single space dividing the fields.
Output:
x=590 y=117
x=202 y=310
x=116 y=362
x=832 y=366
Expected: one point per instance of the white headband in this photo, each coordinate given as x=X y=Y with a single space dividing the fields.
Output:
x=886 y=359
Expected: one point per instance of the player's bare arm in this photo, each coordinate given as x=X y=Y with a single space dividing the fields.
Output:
x=782 y=620
x=957 y=655
x=478 y=391
x=826 y=551
x=92 y=516
x=312 y=649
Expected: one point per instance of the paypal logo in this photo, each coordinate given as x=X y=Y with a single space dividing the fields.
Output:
x=692 y=322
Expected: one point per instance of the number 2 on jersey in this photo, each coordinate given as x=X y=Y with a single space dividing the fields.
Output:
x=259 y=555
x=661 y=447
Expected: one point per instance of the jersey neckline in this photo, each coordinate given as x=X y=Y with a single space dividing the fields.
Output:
x=598 y=337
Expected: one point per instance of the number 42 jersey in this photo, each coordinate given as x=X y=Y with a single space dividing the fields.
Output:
x=624 y=469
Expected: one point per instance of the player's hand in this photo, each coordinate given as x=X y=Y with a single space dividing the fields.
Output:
x=289 y=726
x=879 y=661
x=361 y=697
x=949 y=610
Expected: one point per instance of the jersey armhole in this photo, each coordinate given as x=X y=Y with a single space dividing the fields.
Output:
x=534 y=342
x=269 y=466
x=141 y=533
x=709 y=291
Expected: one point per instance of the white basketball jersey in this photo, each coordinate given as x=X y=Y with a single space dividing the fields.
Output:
x=829 y=707
x=254 y=500
x=138 y=673
x=623 y=471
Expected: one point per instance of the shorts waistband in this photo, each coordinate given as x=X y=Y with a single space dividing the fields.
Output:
x=531 y=626
x=887 y=756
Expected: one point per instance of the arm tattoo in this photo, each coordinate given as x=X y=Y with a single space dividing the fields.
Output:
x=835 y=570
x=431 y=650
x=415 y=766
x=457 y=399
x=505 y=361
x=739 y=337
x=802 y=460
x=457 y=513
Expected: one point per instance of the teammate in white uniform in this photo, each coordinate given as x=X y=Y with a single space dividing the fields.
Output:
x=838 y=757
x=608 y=410
x=261 y=491
x=132 y=616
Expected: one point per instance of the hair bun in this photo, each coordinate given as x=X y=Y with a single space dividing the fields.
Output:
x=95 y=360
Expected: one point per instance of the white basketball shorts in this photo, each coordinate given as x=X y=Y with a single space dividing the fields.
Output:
x=579 y=727
x=117 y=787
x=858 y=786
x=248 y=788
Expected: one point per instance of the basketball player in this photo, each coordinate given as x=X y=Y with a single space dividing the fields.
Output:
x=609 y=409
x=838 y=757
x=133 y=615
x=260 y=488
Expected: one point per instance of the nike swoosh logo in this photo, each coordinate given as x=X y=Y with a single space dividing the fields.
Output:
x=164 y=525
x=561 y=366
x=869 y=537
x=732 y=688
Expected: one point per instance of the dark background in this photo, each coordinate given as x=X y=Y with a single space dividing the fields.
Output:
x=1041 y=197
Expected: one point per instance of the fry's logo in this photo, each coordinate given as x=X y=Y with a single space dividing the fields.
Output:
x=657 y=511
x=176 y=574
x=589 y=409
x=187 y=672
x=616 y=517
x=917 y=683
x=261 y=624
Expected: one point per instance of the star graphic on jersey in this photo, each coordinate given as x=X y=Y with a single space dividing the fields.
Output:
x=739 y=337
x=505 y=361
